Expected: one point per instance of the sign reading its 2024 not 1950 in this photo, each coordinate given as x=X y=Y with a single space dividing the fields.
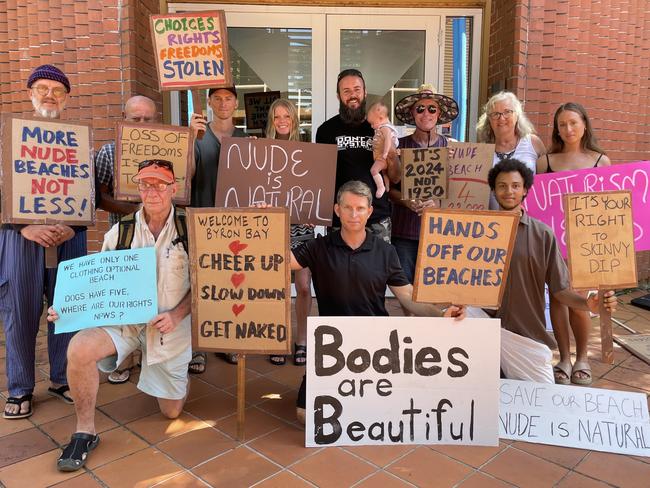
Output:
x=240 y=271
x=464 y=256
x=424 y=173
x=106 y=288
x=297 y=175
x=600 y=237
x=47 y=171
x=191 y=50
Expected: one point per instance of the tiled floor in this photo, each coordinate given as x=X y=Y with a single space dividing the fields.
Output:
x=140 y=448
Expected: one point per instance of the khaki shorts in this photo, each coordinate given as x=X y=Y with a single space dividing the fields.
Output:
x=167 y=379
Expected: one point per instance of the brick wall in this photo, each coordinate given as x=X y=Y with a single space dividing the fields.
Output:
x=103 y=49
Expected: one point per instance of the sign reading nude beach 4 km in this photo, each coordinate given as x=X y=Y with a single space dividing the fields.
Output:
x=191 y=50
x=47 y=172
x=240 y=271
x=296 y=175
x=464 y=257
x=600 y=236
x=424 y=173
x=468 y=165
x=138 y=142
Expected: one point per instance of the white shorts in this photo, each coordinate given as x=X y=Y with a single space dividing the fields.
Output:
x=167 y=379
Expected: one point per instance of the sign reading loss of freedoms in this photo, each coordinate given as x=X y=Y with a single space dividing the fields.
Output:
x=47 y=171
x=297 y=175
x=396 y=380
x=468 y=165
x=240 y=271
x=424 y=173
x=464 y=257
x=138 y=142
x=575 y=416
x=191 y=50
x=600 y=233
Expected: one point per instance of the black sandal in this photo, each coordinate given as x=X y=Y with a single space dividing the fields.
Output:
x=299 y=355
x=74 y=455
x=60 y=393
x=19 y=401
x=277 y=359
x=197 y=364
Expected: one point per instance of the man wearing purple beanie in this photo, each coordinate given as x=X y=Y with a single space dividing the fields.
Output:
x=24 y=278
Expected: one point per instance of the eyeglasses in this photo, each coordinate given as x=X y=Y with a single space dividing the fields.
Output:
x=43 y=90
x=506 y=114
x=430 y=108
x=157 y=187
x=163 y=163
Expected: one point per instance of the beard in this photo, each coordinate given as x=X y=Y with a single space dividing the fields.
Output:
x=46 y=113
x=353 y=116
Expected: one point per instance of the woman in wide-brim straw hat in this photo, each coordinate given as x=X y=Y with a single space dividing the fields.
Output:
x=425 y=109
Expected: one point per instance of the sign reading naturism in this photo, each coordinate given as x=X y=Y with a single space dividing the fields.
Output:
x=47 y=171
x=402 y=380
x=191 y=50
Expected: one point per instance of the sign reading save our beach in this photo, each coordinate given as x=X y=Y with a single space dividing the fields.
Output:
x=47 y=171
x=464 y=257
x=191 y=50
x=240 y=272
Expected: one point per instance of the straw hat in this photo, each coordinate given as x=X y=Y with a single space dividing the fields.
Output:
x=448 y=106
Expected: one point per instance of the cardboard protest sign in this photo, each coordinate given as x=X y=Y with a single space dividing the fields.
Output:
x=468 y=165
x=464 y=257
x=240 y=271
x=424 y=173
x=544 y=200
x=135 y=143
x=296 y=175
x=191 y=50
x=397 y=380
x=47 y=171
x=637 y=344
x=575 y=416
x=107 y=288
x=600 y=237
x=257 y=107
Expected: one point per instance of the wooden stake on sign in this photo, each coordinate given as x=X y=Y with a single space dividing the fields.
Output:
x=241 y=395
x=198 y=109
x=606 y=341
x=51 y=257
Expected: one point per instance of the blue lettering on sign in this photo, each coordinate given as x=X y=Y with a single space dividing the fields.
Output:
x=50 y=136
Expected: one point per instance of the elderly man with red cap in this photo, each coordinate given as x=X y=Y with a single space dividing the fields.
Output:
x=165 y=341
x=24 y=278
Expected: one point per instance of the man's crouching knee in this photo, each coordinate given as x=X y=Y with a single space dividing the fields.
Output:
x=171 y=408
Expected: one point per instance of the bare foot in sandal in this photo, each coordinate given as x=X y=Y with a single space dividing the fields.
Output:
x=562 y=373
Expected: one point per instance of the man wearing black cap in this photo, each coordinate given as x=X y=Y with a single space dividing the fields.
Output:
x=352 y=134
x=24 y=278
x=223 y=102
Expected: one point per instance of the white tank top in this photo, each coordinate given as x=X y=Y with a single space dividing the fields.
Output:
x=524 y=152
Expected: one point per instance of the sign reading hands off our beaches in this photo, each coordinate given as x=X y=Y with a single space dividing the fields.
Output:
x=106 y=288
x=138 y=142
x=240 y=271
x=47 y=171
x=191 y=50
x=575 y=416
x=397 y=380
x=600 y=234
x=463 y=257
x=297 y=175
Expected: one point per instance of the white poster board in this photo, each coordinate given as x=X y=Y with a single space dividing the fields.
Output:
x=575 y=416
x=402 y=380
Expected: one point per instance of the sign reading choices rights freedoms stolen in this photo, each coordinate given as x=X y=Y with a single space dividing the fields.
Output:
x=240 y=271
x=47 y=171
x=397 y=380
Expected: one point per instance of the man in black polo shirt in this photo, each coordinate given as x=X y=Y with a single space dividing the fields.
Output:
x=352 y=134
x=351 y=268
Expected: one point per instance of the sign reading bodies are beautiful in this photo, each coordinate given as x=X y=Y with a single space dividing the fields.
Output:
x=397 y=380
x=297 y=175
x=575 y=416
x=47 y=171
x=106 y=288
x=544 y=200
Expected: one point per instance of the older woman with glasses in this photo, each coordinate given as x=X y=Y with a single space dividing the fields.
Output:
x=504 y=123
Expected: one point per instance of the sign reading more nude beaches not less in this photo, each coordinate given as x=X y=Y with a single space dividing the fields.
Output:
x=424 y=173
x=139 y=142
x=191 y=50
x=240 y=272
x=463 y=257
x=47 y=171
x=600 y=237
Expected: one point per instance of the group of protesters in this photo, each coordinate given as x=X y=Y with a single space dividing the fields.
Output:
x=372 y=244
